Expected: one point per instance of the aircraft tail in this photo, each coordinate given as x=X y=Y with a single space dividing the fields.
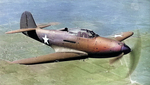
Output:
x=28 y=25
x=27 y=22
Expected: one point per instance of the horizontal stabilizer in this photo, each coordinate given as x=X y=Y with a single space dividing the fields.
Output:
x=49 y=24
x=20 y=30
x=30 y=29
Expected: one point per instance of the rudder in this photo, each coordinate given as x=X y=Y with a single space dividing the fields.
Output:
x=27 y=21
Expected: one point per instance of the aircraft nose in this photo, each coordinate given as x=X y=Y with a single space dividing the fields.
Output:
x=126 y=49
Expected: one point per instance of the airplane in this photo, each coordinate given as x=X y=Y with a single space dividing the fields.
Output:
x=70 y=44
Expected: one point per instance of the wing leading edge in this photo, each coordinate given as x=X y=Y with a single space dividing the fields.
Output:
x=122 y=36
x=49 y=58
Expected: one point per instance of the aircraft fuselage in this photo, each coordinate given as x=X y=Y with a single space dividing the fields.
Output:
x=96 y=45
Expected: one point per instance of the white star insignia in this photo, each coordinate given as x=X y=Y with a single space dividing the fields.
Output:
x=45 y=38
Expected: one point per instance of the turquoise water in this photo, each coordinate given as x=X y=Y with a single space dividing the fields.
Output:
x=105 y=17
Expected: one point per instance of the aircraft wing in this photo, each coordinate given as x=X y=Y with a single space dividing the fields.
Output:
x=50 y=58
x=122 y=36
x=62 y=54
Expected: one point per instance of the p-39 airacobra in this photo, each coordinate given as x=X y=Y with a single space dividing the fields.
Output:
x=71 y=43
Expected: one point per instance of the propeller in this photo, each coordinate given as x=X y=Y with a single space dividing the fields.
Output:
x=116 y=59
x=125 y=50
x=134 y=54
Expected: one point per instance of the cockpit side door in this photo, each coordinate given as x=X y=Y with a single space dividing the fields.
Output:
x=84 y=42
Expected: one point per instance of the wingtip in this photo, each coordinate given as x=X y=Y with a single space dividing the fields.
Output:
x=130 y=33
x=9 y=62
x=123 y=36
x=10 y=32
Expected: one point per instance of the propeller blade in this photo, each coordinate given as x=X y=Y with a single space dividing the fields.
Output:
x=111 y=61
x=135 y=54
x=48 y=58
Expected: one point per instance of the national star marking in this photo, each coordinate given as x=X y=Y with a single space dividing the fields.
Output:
x=45 y=38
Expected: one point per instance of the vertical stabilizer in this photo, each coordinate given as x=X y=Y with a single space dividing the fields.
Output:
x=28 y=22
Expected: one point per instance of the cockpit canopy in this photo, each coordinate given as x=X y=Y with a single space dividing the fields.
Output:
x=81 y=32
x=86 y=33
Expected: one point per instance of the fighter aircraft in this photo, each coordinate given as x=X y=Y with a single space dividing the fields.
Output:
x=71 y=43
